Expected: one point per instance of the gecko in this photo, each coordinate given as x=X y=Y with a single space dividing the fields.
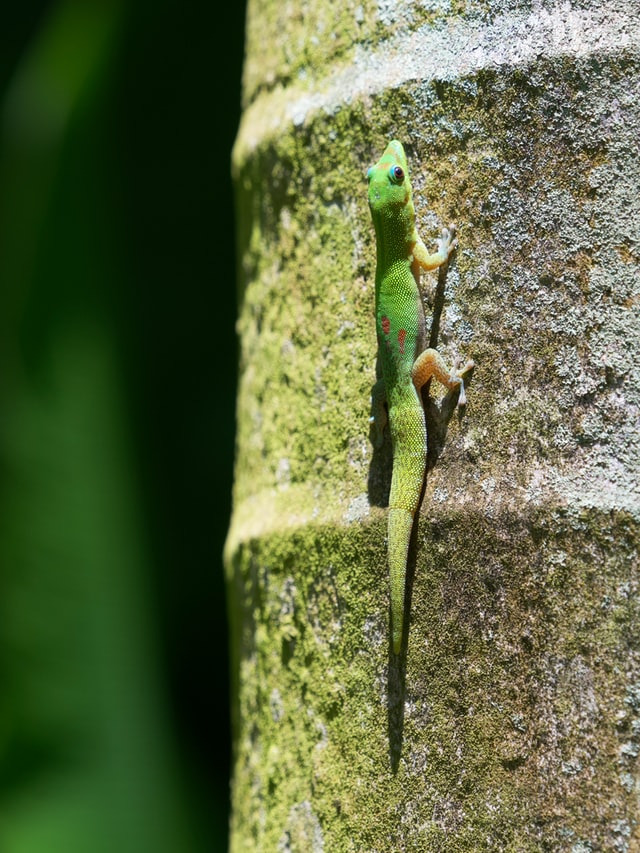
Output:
x=405 y=361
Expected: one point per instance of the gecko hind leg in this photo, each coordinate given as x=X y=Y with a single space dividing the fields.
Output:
x=430 y=363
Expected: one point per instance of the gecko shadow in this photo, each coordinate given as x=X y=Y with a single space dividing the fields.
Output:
x=437 y=418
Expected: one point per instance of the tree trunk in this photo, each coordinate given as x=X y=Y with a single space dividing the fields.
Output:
x=512 y=720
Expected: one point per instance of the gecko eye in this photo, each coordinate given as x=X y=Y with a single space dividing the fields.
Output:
x=396 y=174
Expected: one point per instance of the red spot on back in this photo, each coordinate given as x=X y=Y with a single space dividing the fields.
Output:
x=386 y=325
x=402 y=334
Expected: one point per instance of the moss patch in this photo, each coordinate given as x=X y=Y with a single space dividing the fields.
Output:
x=512 y=723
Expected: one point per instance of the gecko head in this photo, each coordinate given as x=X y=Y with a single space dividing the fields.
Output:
x=389 y=186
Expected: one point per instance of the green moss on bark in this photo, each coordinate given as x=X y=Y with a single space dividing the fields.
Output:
x=513 y=722
x=517 y=707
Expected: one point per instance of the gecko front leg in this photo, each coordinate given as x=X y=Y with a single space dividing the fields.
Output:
x=426 y=260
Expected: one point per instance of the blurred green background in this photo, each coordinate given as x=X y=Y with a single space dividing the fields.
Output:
x=117 y=399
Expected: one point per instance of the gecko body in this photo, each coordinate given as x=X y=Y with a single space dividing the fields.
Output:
x=405 y=361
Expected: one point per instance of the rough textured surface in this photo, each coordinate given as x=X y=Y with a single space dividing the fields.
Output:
x=515 y=725
x=514 y=721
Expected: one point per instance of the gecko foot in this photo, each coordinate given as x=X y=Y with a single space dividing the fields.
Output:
x=448 y=241
x=460 y=376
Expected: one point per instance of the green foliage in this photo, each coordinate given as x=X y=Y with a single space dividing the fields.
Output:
x=113 y=684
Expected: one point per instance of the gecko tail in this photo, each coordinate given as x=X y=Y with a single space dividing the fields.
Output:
x=400 y=526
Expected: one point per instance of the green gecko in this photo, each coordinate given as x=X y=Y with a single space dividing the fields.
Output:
x=406 y=363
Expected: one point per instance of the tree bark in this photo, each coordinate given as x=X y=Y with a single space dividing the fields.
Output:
x=512 y=721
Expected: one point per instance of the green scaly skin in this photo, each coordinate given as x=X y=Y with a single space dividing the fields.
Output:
x=406 y=364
